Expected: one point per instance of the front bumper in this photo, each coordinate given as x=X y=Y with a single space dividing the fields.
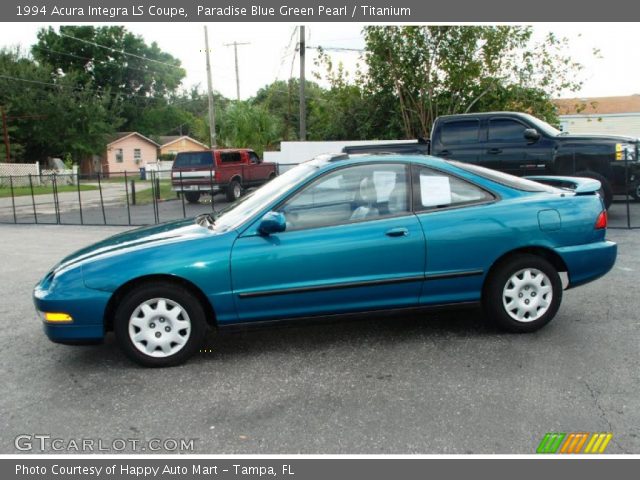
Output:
x=588 y=262
x=85 y=306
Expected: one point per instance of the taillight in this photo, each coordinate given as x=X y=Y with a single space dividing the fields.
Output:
x=601 y=222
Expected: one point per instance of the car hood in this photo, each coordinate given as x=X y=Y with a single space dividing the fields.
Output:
x=140 y=238
x=596 y=138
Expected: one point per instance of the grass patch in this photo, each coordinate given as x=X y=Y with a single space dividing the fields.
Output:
x=42 y=190
x=145 y=196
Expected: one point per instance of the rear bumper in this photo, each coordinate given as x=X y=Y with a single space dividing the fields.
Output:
x=196 y=188
x=588 y=262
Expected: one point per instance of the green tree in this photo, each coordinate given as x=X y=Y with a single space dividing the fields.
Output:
x=245 y=125
x=438 y=70
x=57 y=115
x=96 y=58
x=282 y=99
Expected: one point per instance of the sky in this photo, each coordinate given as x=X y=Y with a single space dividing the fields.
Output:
x=270 y=53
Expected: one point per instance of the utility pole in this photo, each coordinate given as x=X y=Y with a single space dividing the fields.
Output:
x=303 y=104
x=235 y=52
x=5 y=131
x=212 y=113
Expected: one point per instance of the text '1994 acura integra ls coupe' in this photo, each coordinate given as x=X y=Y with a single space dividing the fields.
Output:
x=336 y=235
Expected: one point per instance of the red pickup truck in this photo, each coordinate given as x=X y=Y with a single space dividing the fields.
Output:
x=222 y=170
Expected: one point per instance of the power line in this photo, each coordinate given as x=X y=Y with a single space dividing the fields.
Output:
x=82 y=89
x=104 y=62
x=336 y=49
x=147 y=59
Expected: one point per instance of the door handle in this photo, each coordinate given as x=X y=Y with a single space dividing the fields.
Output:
x=397 y=232
x=494 y=151
x=445 y=153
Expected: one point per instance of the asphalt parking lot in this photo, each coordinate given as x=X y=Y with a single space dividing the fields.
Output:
x=439 y=383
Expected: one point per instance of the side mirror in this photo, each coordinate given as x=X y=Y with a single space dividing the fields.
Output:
x=531 y=134
x=272 y=222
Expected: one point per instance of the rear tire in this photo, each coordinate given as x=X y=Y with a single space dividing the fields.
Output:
x=234 y=191
x=522 y=294
x=160 y=324
x=606 y=192
x=192 y=197
x=636 y=193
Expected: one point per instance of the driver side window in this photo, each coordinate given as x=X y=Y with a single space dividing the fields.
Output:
x=351 y=194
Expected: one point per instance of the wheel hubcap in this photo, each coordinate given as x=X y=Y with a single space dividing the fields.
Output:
x=159 y=327
x=236 y=191
x=527 y=295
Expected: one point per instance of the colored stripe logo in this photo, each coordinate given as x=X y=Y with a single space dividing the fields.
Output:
x=576 y=442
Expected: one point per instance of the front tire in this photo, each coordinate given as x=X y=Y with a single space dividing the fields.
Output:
x=523 y=294
x=160 y=324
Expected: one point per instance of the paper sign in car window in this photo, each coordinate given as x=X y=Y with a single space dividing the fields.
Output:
x=384 y=183
x=435 y=190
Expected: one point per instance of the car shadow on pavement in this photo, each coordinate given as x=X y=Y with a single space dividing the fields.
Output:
x=309 y=336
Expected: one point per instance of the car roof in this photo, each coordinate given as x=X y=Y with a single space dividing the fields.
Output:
x=378 y=157
x=485 y=114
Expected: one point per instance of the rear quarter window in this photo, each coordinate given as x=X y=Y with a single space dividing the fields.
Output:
x=505 y=179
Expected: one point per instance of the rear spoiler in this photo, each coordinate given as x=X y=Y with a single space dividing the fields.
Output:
x=579 y=185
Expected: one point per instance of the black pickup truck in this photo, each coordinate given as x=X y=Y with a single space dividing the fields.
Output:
x=521 y=144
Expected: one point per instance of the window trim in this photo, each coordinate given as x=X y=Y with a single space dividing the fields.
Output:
x=254 y=154
x=459 y=120
x=234 y=162
x=516 y=120
x=410 y=196
x=119 y=155
x=417 y=201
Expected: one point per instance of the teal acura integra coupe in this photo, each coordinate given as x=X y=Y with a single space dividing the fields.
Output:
x=336 y=235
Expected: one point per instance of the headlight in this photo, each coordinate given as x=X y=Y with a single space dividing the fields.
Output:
x=626 y=150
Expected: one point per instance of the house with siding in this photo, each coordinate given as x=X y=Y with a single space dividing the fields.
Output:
x=126 y=151
x=172 y=145
x=603 y=115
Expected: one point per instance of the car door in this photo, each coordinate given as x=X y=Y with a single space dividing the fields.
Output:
x=351 y=244
x=458 y=139
x=508 y=150
x=460 y=234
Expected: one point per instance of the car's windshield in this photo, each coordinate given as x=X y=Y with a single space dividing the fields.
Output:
x=236 y=213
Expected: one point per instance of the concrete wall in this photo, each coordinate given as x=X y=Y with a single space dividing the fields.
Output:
x=293 y=153
x=612 y=124
x=128 y=145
